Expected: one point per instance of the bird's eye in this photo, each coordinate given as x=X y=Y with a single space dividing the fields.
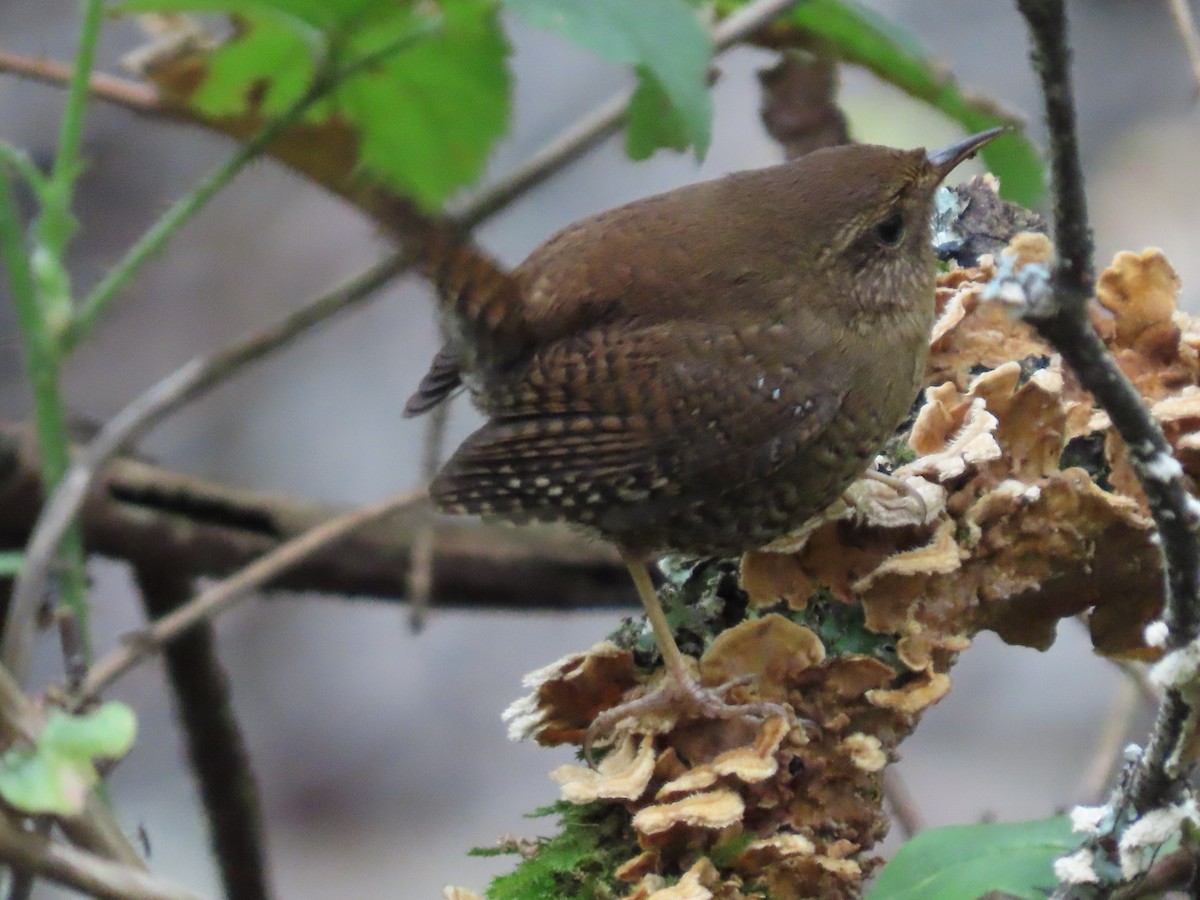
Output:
x=890 y=230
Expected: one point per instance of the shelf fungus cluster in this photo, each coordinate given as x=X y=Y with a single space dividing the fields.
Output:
x=1028 y=513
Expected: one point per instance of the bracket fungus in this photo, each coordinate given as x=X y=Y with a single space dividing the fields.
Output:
x=1031 y=515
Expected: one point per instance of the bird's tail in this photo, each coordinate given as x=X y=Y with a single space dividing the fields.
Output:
x=481 y=311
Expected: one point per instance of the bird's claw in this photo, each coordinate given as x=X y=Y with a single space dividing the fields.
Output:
x=684 y=698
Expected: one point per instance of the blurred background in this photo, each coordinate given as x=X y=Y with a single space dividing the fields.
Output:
x=380 y=753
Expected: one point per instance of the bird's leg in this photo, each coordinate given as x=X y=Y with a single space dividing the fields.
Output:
x=672 y=657
x=682 y=691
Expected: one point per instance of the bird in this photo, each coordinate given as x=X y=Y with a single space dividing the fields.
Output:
x=697 y=372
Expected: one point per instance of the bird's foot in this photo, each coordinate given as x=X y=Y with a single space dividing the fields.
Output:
x=683 y=697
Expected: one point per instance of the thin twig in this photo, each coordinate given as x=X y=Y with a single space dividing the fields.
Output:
x=226 y=594
x=1110 y=743
x=131 y=95
x=595 y=127
x=215 y=746
x=420 y=570
x=81 y=870
x=1185 y=23
x=903 y=805
x=185 y=384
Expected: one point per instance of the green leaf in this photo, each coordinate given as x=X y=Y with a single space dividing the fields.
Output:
x=42 y=783
x=971 y=860
x=667 y=43
x=653 y=122
x=107 y=733
x=55 y=775
x=426 y=117
x=10 y=563
x=858 y=35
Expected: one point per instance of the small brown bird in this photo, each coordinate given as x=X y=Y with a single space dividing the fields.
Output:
x=701 y=371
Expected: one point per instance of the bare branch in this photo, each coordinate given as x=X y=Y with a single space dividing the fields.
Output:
x=216 y=748
x=155 y=518
x=131 y=95
x=1185 y=22
x=1113 y=738
x=81 y=870
x=226 y=594
x=1064 y=322
x=185 y=384
x=901 y=803
x=420 y=572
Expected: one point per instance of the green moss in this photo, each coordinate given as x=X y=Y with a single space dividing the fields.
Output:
x=700 y=598
x=842 y=628
x=578 y=862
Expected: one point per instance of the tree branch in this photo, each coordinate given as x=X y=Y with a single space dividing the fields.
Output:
x=185 y=384
x=1185 y=24
x=83 y=871
x=1062 y=320
x=215 y=746
x=153 y=517
x=1158 y=778
x=226 y=594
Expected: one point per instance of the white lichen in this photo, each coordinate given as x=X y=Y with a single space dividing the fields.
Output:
x=1076 y=868
x=1155 y=634
x=1143 y=839
x=1192 y=505
x=1088 y=818
x=1178 y=668
x=1163 y=467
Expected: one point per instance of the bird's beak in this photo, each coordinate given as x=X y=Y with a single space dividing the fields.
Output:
x=945 y=160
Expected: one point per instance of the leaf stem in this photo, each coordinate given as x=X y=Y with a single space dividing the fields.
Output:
x=42 y=363
x=66 y=163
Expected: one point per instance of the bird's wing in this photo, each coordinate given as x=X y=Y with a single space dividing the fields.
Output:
x=613 y=416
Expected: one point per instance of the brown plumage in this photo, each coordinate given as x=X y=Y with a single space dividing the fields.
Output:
x=700 y=371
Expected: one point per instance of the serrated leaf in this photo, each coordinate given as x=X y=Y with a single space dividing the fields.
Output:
x=668 y=44
x=858 y=35
x=421 y=121
x=970 y=860
x=107 y=733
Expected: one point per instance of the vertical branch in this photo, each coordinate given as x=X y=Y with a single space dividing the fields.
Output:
x=420 y=570
x=215 y=746
x=1074 y=274
x=1159 y=777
